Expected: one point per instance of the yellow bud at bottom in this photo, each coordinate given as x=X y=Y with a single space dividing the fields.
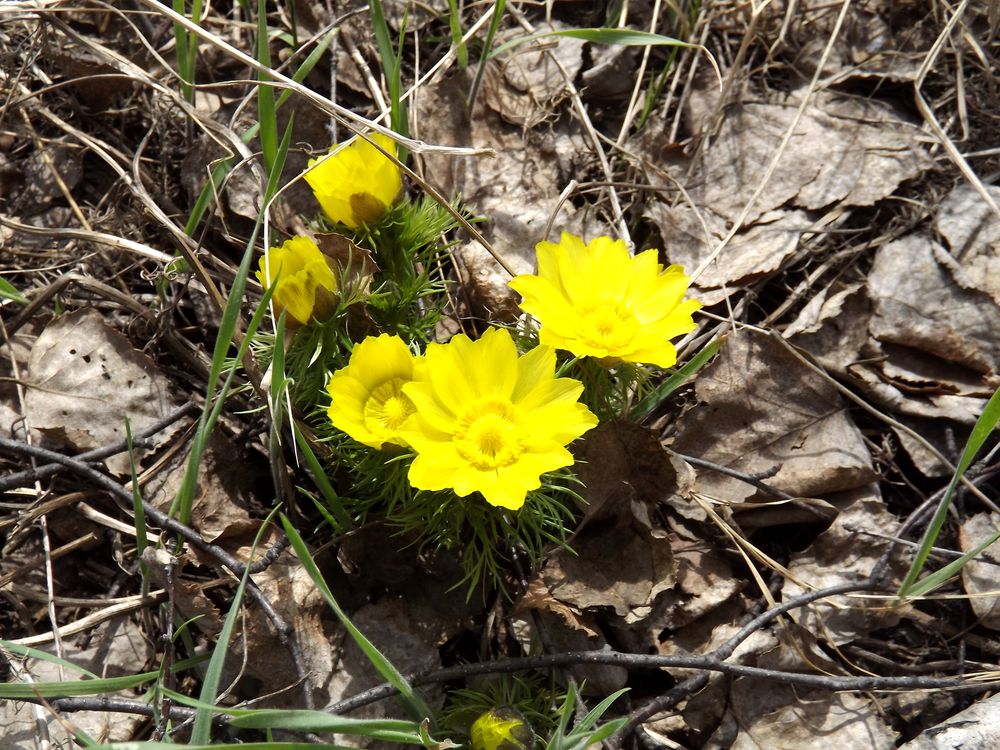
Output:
x=503 y=728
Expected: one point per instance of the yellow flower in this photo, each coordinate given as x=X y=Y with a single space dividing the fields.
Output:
x=358 y=183
x=489 y=421
x=366 y=397
x=503 y=728
x=305 y=285
x=595 y=300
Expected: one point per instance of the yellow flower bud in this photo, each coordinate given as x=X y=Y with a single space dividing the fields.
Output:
x=356 y=184
x=305 y=284
x=503 y=728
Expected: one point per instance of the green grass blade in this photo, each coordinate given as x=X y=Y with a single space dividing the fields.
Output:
x=303 y=720
x=16 y=649
x=386 y=730
x=181 y=506
x=183 y=44
x=391 y=66
x=938 y=577
x=70 y=688
x=220 y=172
x=410 y=699
x=655 y=89
x=330 y=495
x=141 y=539
x=624 y=37
x=274 y=176
x=684 y=373
x=594 y=715
x=201 y=731
x=455 y=26
x=266 y=114
x=8 y=291
x=986 y=423
x=491 y=32
x=279 y=383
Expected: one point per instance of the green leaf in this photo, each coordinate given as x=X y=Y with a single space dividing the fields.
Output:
x=265 y=94
x=411 y=699
x=680 y=376
x=624 y=37
x=201 y=731
x=986 y=423
x=8 y=291
x=69 y=688
x=220 y=172
x=16 y=649
x=330 y=495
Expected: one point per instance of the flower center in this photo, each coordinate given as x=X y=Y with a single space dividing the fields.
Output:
x=488 y=436
x=387 y=407
x=608 y=325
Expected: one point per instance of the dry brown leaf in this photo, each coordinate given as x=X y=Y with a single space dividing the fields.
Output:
x=480 y=272
x=622 y=465
x=772 y=716
x=836 y=340
x=526 y=84
x=614 y=566
x=763 y=412
x=918 y=304
x=560 y=635
x=611 y=73
x=870 y=45
x=692 y=235
x=705 y=581
x=972 y=230
x=706 y=635
x=538 y=596
x=981 y=576
x=847 y=551
x=188 y=597
x=85 y=378
x=845 y=150
x=224 y=490
x=827 y=305
x=388 y=625
x=975 y=728
x=287 y=585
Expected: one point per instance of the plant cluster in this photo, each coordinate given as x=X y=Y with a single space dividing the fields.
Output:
x=463 y=442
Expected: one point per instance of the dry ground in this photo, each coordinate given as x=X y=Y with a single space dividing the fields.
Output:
x=831 y=193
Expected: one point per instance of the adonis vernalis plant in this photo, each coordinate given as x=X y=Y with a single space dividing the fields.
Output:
x=595 y=300
x=356 y=183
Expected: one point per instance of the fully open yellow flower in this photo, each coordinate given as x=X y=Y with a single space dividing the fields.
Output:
x=306 y=286
x=490 y=421
x=366 y=397
x=595 y=300
x=358 y=183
